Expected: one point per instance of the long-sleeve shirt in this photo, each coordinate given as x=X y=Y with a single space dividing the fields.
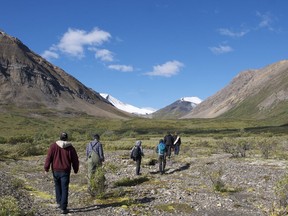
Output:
x=96 y=146
x=61 y=157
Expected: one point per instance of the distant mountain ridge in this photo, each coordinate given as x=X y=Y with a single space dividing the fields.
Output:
x=29 y=81
x=127 y=107
x=177 y=109
x=256 y=94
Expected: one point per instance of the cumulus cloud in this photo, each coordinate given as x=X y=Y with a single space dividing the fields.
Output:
x=104 y=55
x=230 y=33
x=221 y=49
x=74 y=41
x=123 y=68
x=167 y=69
x=49 y=54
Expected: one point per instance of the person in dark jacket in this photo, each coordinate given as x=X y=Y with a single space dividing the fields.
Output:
x=61 y=157
x=177 y=143
x=168 y=141
x=139 y=150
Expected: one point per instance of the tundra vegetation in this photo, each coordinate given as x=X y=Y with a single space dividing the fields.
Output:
x=24 y=137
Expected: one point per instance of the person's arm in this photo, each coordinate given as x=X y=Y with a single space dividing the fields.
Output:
x=74 y=160
x=48 y=159
x=101 y=153
x=142 y=153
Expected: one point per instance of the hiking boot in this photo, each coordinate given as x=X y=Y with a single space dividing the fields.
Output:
x=64 y=211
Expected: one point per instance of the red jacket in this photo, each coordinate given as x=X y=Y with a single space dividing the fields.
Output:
x=61 y=156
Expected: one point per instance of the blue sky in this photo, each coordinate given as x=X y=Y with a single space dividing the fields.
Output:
x=151 y=53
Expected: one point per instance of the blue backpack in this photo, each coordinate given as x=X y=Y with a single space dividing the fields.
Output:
x=161 y=148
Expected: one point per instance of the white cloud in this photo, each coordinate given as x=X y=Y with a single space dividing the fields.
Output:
x=123 y=68
x=167 y=69
x=228 y=32
x=266 y=21
x=221 y=49
x=48 y=54
x=104 y=55
x=74 y=41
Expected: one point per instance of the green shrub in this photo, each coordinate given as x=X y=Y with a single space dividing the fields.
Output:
x=97 y=183
x=128 y=182
x=236 y=147
x=20 y=139
x=28 y=149
x=9 y=206
x=3 y=140
x=281 y=191
x=266 y=146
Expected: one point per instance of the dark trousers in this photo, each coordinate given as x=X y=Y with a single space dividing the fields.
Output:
x=162 y=163
x=176 y=149
x=138 y=165
x=61 y=181
x=169 y=147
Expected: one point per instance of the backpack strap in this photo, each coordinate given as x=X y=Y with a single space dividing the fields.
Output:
x=92 y=146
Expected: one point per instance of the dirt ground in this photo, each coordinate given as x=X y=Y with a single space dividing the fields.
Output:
x=248 y=186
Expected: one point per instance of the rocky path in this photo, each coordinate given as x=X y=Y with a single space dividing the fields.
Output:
x=185 y=189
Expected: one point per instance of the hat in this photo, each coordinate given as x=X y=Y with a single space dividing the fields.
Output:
x=96 y=136
x=138 y=143
x=64 y=136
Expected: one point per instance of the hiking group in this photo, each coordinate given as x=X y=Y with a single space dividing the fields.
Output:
x=62 y=158
x=163 y=149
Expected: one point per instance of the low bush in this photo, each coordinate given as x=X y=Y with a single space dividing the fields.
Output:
x=9 y=206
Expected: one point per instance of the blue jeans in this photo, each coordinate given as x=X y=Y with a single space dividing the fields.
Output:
x=176 y=149
x=61 y=181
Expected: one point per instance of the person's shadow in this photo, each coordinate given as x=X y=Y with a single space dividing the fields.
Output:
x=115 y=204
x=184 y=167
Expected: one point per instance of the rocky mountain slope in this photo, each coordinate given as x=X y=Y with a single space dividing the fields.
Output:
x=177 y=109
x=255 y=94
x=29 y=81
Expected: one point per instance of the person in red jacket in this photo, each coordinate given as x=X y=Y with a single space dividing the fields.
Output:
x=62 y=156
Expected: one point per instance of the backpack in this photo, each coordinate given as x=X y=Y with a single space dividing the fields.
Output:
x=161 y=148
x=93 y=157
x=135 y=153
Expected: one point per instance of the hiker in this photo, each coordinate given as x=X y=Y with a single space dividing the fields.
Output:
x=137 y=154
x=161 y=150
x=177 y=143
x=61 y=156
x=168 y=141
x=94 y=156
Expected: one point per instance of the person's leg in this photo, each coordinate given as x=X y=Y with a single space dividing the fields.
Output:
x=138 y=164
x=65 y=180
x=57 y=184
x=169 y=151
x=164 y=163
x=160 y=161
x=176 y=149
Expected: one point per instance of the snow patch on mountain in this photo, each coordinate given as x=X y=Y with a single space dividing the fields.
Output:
x=193 y=100
x=127 y=107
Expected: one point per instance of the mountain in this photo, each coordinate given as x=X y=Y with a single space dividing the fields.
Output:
x=177 y=109
x=30 y=82
x=256 y=94
x=127 y=107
